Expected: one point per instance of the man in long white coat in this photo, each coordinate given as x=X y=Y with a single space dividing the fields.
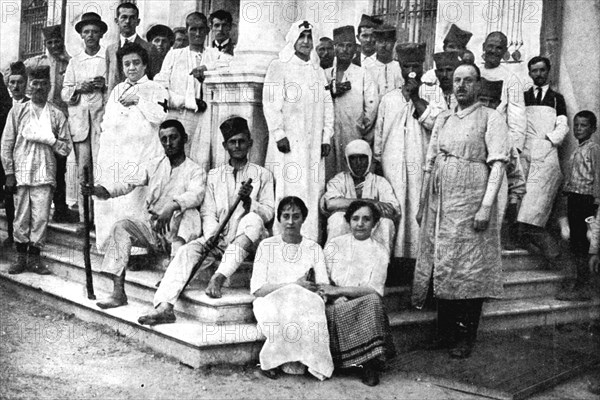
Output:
x=386 y=71
x=355 y=100
x=402 y=132
x=299 y=114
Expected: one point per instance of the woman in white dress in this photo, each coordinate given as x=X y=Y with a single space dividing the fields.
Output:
x=289 y=312
x=129 y=137
x=357 y=267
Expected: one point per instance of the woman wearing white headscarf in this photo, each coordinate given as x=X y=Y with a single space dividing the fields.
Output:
x=360 y=184
x=299 y=114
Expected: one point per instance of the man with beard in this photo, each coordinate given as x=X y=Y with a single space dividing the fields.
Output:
x=547 y=127
x=360 y=184
x=386 y=72
x=445 y=64
x=161 y=39
x=404 y=121
x=355 y=100
x=326 y=52
x=57 y=58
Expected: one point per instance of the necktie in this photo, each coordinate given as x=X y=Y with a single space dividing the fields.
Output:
x=538 y=98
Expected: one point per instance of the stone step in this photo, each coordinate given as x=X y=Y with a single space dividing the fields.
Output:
x=198 y=343
x=192 y=342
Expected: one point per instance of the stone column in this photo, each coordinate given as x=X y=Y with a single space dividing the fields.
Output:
x=237 y=89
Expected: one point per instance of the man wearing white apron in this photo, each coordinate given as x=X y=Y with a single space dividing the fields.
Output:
x=546 y=129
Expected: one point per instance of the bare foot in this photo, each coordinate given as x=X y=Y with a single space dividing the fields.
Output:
x=214 y=286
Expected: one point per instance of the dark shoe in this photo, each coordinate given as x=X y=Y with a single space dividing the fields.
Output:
x=113 y=302
x=20 y=265
x=270 y=373
x=157 y=318
x=65 y=216
x=462 y=350
x=40 y=269
x=370 y=376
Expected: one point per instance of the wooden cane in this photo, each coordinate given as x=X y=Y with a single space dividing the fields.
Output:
x=206 y=249
x=89 y=283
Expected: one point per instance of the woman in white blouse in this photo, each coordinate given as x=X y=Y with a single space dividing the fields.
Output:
x=287 y=271
x=357 y=267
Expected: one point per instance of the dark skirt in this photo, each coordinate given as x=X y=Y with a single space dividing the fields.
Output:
x=359 y=331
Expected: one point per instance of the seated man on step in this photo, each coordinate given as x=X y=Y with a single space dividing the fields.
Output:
x=241 y=235
x=175 y=191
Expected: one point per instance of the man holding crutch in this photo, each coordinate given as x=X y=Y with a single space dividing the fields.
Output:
x=242 y=233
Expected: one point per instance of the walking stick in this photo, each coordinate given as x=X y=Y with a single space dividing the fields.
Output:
x=206 y=248
x=89 y=284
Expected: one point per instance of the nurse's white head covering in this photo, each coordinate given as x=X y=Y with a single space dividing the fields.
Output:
x=355 y=147
x=292 y=36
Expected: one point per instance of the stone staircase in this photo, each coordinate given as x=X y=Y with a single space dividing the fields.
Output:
x=212 y=331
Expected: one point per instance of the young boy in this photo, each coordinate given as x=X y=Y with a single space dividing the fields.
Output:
x=35 y=130
x=582 y=188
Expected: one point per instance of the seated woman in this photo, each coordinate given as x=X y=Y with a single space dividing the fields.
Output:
x=288 y=310
x=358 y=325
x=129 y=137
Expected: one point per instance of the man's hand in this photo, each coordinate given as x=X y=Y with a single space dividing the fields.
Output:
x=244 y=193
x=98 y=191
x=211 y=242
x=198 y=72
x=283 y=145
x=482 y=218
x=593 y=263
x=99 y=82
x=410 y=88
x=86 y=87
x=325 y=149
x=386 y=210
x=162 y=220
x=11 y=184
x=129 y=99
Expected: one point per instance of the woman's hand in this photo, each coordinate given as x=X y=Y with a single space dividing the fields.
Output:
x=482 y=218
x=308 y=285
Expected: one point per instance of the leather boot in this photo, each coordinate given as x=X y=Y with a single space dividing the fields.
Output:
x=445 y=336
x=118 y=297
x=21 y=264
x=34 y=263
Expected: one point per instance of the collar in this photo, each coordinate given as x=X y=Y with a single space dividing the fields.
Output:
x=143 y=79
x=23 y=100
x=363 y=57
x=130 y=38
x=586 y=142
x=229 y=168
x=100 y=54
x=544 y=89
x=463 y=113
x=222 y=44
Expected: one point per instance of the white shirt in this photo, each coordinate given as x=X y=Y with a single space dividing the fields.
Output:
x=130 y=39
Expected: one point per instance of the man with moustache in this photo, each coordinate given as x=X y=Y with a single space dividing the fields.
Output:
x=404 y=121
x=182 y=74
x=326 y=52
x=445 y=64
x=456 y=40
x=221 y=23
x=85 y=92
x=366 y=56
x=355 y=100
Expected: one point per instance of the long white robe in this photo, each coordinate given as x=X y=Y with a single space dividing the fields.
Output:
x=291 y=317
x=400 y=145
x=129 y=137
x=387 y=76
x=355 y=115
x=298 y=107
